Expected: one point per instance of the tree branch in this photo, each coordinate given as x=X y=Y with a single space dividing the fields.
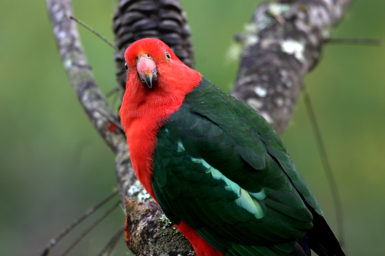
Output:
x=79 y=73
x=86 y=89
x=104 y=120
x=282 y=43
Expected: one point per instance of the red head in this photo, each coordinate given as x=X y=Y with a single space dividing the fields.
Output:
x=152 y=63
x=157 y=80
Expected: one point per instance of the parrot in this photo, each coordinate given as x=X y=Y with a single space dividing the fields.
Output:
x=216 y=168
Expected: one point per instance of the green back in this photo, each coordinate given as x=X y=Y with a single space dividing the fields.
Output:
x=219 y=167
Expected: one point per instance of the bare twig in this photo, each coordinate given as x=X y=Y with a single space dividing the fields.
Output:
x=75 y=223
x=326 y=165
x=93 y=31
x=355 y=41
x=113 y=91
x=90 y=228
x=107 y=250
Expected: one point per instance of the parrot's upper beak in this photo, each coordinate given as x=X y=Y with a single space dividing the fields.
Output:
x=147 y=71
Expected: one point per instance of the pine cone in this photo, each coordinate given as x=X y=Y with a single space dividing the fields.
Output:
x=163 y=19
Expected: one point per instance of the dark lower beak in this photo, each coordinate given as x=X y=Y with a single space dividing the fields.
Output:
x=149 y=78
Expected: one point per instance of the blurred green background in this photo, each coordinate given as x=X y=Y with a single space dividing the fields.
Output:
x=53 y=165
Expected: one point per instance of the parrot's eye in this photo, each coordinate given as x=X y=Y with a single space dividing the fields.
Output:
x=168 y=56
x=125 y=66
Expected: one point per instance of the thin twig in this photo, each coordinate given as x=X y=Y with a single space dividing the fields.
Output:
x=81 y=77
x=93 y=31
x=112 y=119
x=326 y=165
x=53 y=242
x=363 y=41
x=100 y=36
x=90 y=228
x=108 y=248
x=113 y=91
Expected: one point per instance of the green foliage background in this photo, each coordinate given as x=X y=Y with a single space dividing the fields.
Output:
x=53 y=165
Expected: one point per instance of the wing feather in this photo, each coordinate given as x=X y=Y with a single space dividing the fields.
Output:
x=221 y=169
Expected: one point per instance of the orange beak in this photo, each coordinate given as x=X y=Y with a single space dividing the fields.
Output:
x=147 y=71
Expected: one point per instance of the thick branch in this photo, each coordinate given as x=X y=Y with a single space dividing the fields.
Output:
x=151 y=233
x=281 y=44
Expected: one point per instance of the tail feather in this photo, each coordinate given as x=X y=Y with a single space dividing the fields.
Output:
x=300 y=250
x=322 y=240
x=302 y=247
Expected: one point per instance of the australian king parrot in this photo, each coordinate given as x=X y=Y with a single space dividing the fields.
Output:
x=216 y=168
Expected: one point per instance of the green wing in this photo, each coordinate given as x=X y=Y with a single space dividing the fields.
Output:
x=219 y=167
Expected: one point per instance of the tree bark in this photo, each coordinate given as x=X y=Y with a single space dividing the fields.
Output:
x=282 y=43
